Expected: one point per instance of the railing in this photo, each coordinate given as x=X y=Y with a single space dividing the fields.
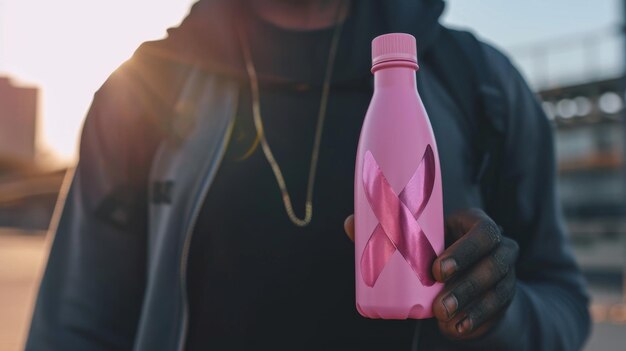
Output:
x=572 y=59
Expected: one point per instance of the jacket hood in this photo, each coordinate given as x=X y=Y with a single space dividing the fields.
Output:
x=207 y=37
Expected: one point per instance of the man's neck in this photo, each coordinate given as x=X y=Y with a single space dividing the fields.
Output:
x=300 y=14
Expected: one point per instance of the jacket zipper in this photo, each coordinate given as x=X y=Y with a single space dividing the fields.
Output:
x=189 y=234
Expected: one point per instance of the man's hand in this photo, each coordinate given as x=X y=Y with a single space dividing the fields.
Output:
x=478 y=269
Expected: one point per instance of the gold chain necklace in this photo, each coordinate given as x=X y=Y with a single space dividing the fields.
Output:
x=258 y=122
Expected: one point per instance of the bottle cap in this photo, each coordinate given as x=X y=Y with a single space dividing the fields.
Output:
x=394 y=46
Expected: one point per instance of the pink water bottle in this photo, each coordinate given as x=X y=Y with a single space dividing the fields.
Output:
x=397 y=191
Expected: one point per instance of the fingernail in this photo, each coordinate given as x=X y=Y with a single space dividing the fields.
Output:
x=463 y=326
x=450 y=304
x=448 y=267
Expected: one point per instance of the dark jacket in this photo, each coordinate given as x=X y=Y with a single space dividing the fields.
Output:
x=115 y=278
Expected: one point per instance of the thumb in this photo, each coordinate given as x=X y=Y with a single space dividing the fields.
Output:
x=348 y=226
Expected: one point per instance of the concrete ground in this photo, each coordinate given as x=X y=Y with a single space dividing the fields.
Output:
x=22 y=258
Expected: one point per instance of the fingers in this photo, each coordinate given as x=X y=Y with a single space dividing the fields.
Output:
x=482 y=314
x=480 y=317
x=489 y=307
x=348 y=226
x=481 y=278
x=480 y=239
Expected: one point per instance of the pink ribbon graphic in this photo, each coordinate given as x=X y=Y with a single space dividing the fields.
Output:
x=398 y=228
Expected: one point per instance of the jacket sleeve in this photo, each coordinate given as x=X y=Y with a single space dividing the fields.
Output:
x=92 y=289
x=550 y=309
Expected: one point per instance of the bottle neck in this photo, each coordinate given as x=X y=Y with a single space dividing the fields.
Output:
x=395 y=74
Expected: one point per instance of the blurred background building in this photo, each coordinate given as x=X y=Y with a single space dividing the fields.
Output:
x=28 y=191
x=18 y=118
x=587 y=110
x=578 y=76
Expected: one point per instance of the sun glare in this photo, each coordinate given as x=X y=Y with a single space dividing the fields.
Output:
x=69 y=47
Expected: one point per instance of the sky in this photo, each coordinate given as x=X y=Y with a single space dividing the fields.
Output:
x=69 y=47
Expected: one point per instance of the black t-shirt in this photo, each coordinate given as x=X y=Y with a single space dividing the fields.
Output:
x=256 y=280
